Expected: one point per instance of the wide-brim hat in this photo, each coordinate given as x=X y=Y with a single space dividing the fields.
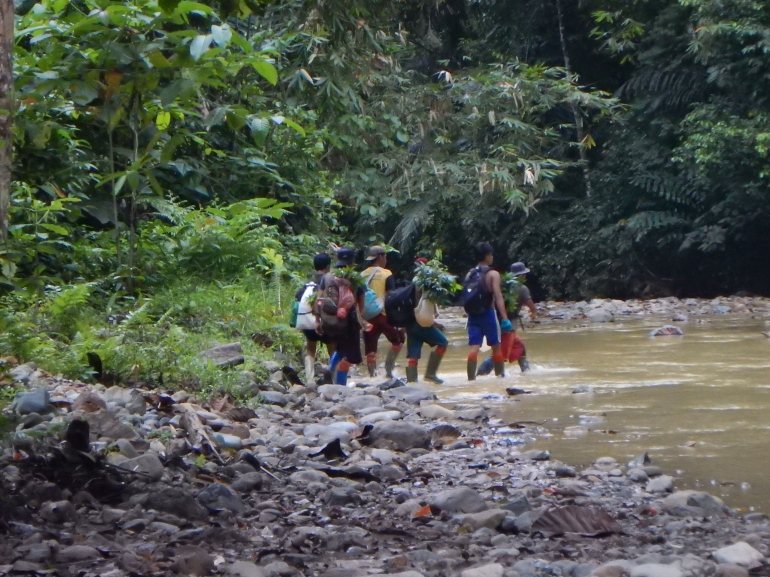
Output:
x=374 y=252
x=345 y=257
x=519 y=268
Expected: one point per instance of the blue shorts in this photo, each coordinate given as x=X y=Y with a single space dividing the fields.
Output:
x=484 y=325
x=416 y=336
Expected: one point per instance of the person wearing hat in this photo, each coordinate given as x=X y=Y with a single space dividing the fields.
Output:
x=518 y=295
x=321 y=264
x=348 y=344
x=381 y=281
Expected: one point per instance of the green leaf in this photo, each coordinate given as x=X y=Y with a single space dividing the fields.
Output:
x=163 y=120
x=157 y=59
x=266 y=71
x=55 y=228
x=296 y=127
x=402 y=137
x=199 y=45
x=168 y=6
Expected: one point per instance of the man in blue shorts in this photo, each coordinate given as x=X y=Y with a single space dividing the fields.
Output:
x=485 y=324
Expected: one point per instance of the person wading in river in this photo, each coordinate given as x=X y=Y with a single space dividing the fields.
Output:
x=418 y=335
x=481 y=297
x=381 y=281
x=516 y=295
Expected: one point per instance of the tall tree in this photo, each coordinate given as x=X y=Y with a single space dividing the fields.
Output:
x=6 y=111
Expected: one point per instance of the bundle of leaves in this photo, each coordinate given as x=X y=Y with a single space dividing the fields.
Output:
x=435 y=282
x=510 y=287
x=351 y=275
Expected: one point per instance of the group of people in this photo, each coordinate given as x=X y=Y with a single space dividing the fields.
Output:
x=493 y=319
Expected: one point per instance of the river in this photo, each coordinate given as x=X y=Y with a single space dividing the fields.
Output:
x=698 y=403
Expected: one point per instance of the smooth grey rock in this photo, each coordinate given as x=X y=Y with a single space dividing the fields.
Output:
x=341 y=496
x=662 y=484
x=334 y=392
x=524 y=522
x=491 y=519
x=491 y=570
x=160 y=527
x=460 y=500
x=619 y=568
x=710 y=505
x=105 y=424
x=35 y=401
x=77 y=553
x=391 y=384
x=730 y=570
x=536 y=455
x=177 y=502
x=148 y=463
x=58 y=512
x=693 y=566
x=404 y=436
x=89 y=402
x=600 y=315
x=126 y=448
x=656 y=570
x=245 y=569
x=217 y=497
x=247 y=482
x=740 y=553
x=667 y=330
x=358 y=402
x=637 y=476
x=518 y=506
x=411 y=395
x=379 y=416
x=224 y=356
x=436 y=412
x=274 y=398
x=22 y=373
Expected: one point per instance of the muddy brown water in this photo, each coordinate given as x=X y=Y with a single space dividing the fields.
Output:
x=699 y=404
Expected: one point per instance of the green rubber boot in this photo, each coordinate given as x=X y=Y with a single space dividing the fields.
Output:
x=390 y=363
x=523 y=364
x=430 y=373
x=372 y=369
x=411 y=374
x=500 y=369
x=472 y=370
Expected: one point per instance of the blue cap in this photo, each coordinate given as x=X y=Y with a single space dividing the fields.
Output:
x=345 y=257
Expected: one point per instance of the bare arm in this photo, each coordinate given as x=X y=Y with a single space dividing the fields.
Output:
x=498 y=294
x=532 y=308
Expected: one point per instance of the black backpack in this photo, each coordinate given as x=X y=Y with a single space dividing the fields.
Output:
x=476 y=297
x=399 y=306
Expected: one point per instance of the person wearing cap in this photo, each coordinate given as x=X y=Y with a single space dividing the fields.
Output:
x=381 y=281
x=321 y=264
x=348 y=344
x=417 y=336
x=512 y=346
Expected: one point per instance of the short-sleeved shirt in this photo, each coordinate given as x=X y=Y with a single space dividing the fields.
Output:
x=524 y=296
x=382 y=280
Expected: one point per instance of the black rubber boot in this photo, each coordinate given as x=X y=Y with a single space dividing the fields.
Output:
x=390 y=363
x=411 y=374
x=523 y=364
x=500 y=369
x=472 y=370
x=430 y=373
x=372 y=369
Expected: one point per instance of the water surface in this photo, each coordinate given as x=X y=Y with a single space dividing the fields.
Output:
x=699 y=404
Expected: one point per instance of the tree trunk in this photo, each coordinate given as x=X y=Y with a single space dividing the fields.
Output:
x=579 y=128
x=6 y=112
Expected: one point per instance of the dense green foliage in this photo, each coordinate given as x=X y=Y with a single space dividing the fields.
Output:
x=166 y=147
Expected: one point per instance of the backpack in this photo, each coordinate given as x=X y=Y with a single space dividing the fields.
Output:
x=476 y=296
x=373 y=304
x=306 y=320
x=399 y=306
x=333 y=305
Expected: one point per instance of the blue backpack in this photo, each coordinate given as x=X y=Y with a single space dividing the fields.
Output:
x=476 y=296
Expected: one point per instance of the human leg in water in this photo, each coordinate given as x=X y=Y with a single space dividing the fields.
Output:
x=390 y=360
x=473 y=359
x=498 y=361
x=411 y=370
x=371 y=364
x=433 y=363
x=342 y=372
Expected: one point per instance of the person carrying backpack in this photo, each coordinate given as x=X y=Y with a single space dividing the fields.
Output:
x=417 y=335
x=337 y=308
x=306 y=320
x=516 y=295
x=380 y=281
x=481 y=297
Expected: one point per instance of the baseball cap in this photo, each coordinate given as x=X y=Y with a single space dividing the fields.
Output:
x=374 y=252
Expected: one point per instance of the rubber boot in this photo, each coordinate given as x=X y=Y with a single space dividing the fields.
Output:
x=334 y=360
x=500 y=369
x=310 y=370
x=430 y=372
x=341 y=378
x=411 y=374
x=485 y=367
x=372 y=367
x=472 y=370
x=390 y=363
x=523 y=364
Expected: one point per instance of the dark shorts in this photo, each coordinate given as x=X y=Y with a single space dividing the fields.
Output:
x=314 y=337
x=349 y=344
x=482 y=326
x=380 y=326
x=416 y=336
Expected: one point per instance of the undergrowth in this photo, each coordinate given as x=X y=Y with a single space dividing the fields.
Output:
x=153 y=341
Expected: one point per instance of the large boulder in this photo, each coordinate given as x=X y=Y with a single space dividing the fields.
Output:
x=740 y=553
x=403 y=436
x=104 y=424
x=148 y=465
x=224 y=356
x=35 y=401
x=710 y=505
x=460 y=500
x=600 y=315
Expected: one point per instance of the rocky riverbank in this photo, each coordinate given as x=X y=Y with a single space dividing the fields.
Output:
x=336 y=482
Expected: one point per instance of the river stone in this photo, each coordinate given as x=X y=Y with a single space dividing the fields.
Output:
x=244 y=569
x=638 y=476
x=709 y=504
x=412 y=394
x=247 y=482
x=730 y=570
x=693 y=566
x=740 y=553
x=334 y=392
x=217 y=496
x=600 y=315
x=177 y=502
x=656 y=570
x=618 y=568
x=149 y=464
x=89 y=402
x=662 y=484
x=104 y=424
x=359 y=402
x=518 y=506
x=491 y=570
x=460 y=500
x=76 y=553
x=35 y=401
x=666 y=331
x=490 y=519
x=58 y=512
x=379 y=416
x=224 y=356
x=435 y=412
x=22 y=373
x=309 y=476
x=404 y=436
x=274 y=398
x=523 y=523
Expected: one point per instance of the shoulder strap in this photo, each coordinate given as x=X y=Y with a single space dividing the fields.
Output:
x=371 y=276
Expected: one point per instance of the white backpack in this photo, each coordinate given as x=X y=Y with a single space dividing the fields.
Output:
x=306 y=320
